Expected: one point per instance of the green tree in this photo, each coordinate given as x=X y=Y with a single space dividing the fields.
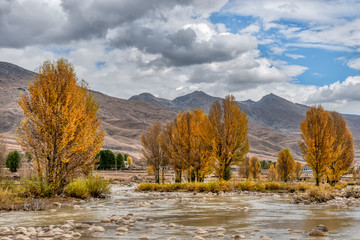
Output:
x=107 y=159
x=13 y=161
x=119 y=160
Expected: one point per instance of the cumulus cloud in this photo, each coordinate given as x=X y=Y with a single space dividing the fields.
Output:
x=171 y=47
x=347 y=91
x=194 y=44
x=247 y=71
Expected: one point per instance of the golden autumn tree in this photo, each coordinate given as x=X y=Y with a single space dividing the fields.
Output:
x=272 y=173
x=229 y=127
x=168 y=143
x=255 y=168
x=244 y=168
x=317 y=132
x=342 y=150
x=285 y=165
x=61 y=128
x=187 y=143
x=152 y=151
x=298 y=170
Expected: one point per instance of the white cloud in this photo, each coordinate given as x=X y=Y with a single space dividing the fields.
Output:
x=354 y=63
x=294 y=56
x=170 y=48
x=338 y=92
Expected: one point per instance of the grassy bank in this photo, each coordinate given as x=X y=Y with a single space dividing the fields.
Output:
x=301 y=192
x=14 y=195
x=224 y=186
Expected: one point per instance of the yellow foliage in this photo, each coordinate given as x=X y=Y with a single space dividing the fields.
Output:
x=61 y=128
x=318 y=138
x=272 y=173
x=255 y=168
x=343 y=150
x=187 y=143
x=298 y=170
x=229 y=129
x=129 y=160
x=285 y=165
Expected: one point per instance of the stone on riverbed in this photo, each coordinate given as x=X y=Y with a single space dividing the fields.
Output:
x=106 y=220
x=122 y=229
x=320 y=230
x=144 y=238
x=198 y=238
x=201 y=231
x=237 y=236
x=96 y=229
x=220 y=229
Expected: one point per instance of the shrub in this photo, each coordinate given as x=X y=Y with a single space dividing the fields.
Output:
x=77 y=189
x=107 y=159
x=36 y=188
x=245 y=186
x=318 y=194
x=120 y=161
x=271 y=186
x=97 y=186
x=13 y=161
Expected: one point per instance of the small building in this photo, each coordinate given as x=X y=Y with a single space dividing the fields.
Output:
x=306 y=168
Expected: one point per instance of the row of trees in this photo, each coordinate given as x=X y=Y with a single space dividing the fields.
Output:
x=285 y=168
x=108 y=160
x=195 y=144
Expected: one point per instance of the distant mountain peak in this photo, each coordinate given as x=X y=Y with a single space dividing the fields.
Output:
x=272 y=98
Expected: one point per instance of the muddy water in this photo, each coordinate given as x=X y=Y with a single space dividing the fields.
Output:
x=252 y=216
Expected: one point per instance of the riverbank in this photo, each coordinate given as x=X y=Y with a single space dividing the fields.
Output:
x=34 y=195
x=298 y=192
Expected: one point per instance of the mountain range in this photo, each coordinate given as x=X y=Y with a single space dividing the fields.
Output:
x=273 y=121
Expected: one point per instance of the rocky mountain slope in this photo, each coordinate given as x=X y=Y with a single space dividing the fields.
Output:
x=273 y=121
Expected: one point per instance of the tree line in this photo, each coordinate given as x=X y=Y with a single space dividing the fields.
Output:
x=194 y=145
x=108 y=160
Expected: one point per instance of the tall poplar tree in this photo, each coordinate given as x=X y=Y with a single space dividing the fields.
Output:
x=188 y=144
x=285 y=165
x=229 y=126
x=317 y=132
x=61 y=128
x=343 y=150
x=152 y=151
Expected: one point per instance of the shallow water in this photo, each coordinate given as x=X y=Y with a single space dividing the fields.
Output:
x=238 y=214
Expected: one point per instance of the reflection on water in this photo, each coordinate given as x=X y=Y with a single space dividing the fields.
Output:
x=253 y=216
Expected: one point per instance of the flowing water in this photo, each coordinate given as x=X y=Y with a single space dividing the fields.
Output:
x=253 y=216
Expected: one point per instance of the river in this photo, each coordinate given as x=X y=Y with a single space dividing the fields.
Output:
x=268 y=215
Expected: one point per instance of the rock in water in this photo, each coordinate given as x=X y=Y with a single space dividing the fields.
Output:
x=320 y=230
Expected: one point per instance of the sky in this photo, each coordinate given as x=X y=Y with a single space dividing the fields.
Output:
x=306 y=51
